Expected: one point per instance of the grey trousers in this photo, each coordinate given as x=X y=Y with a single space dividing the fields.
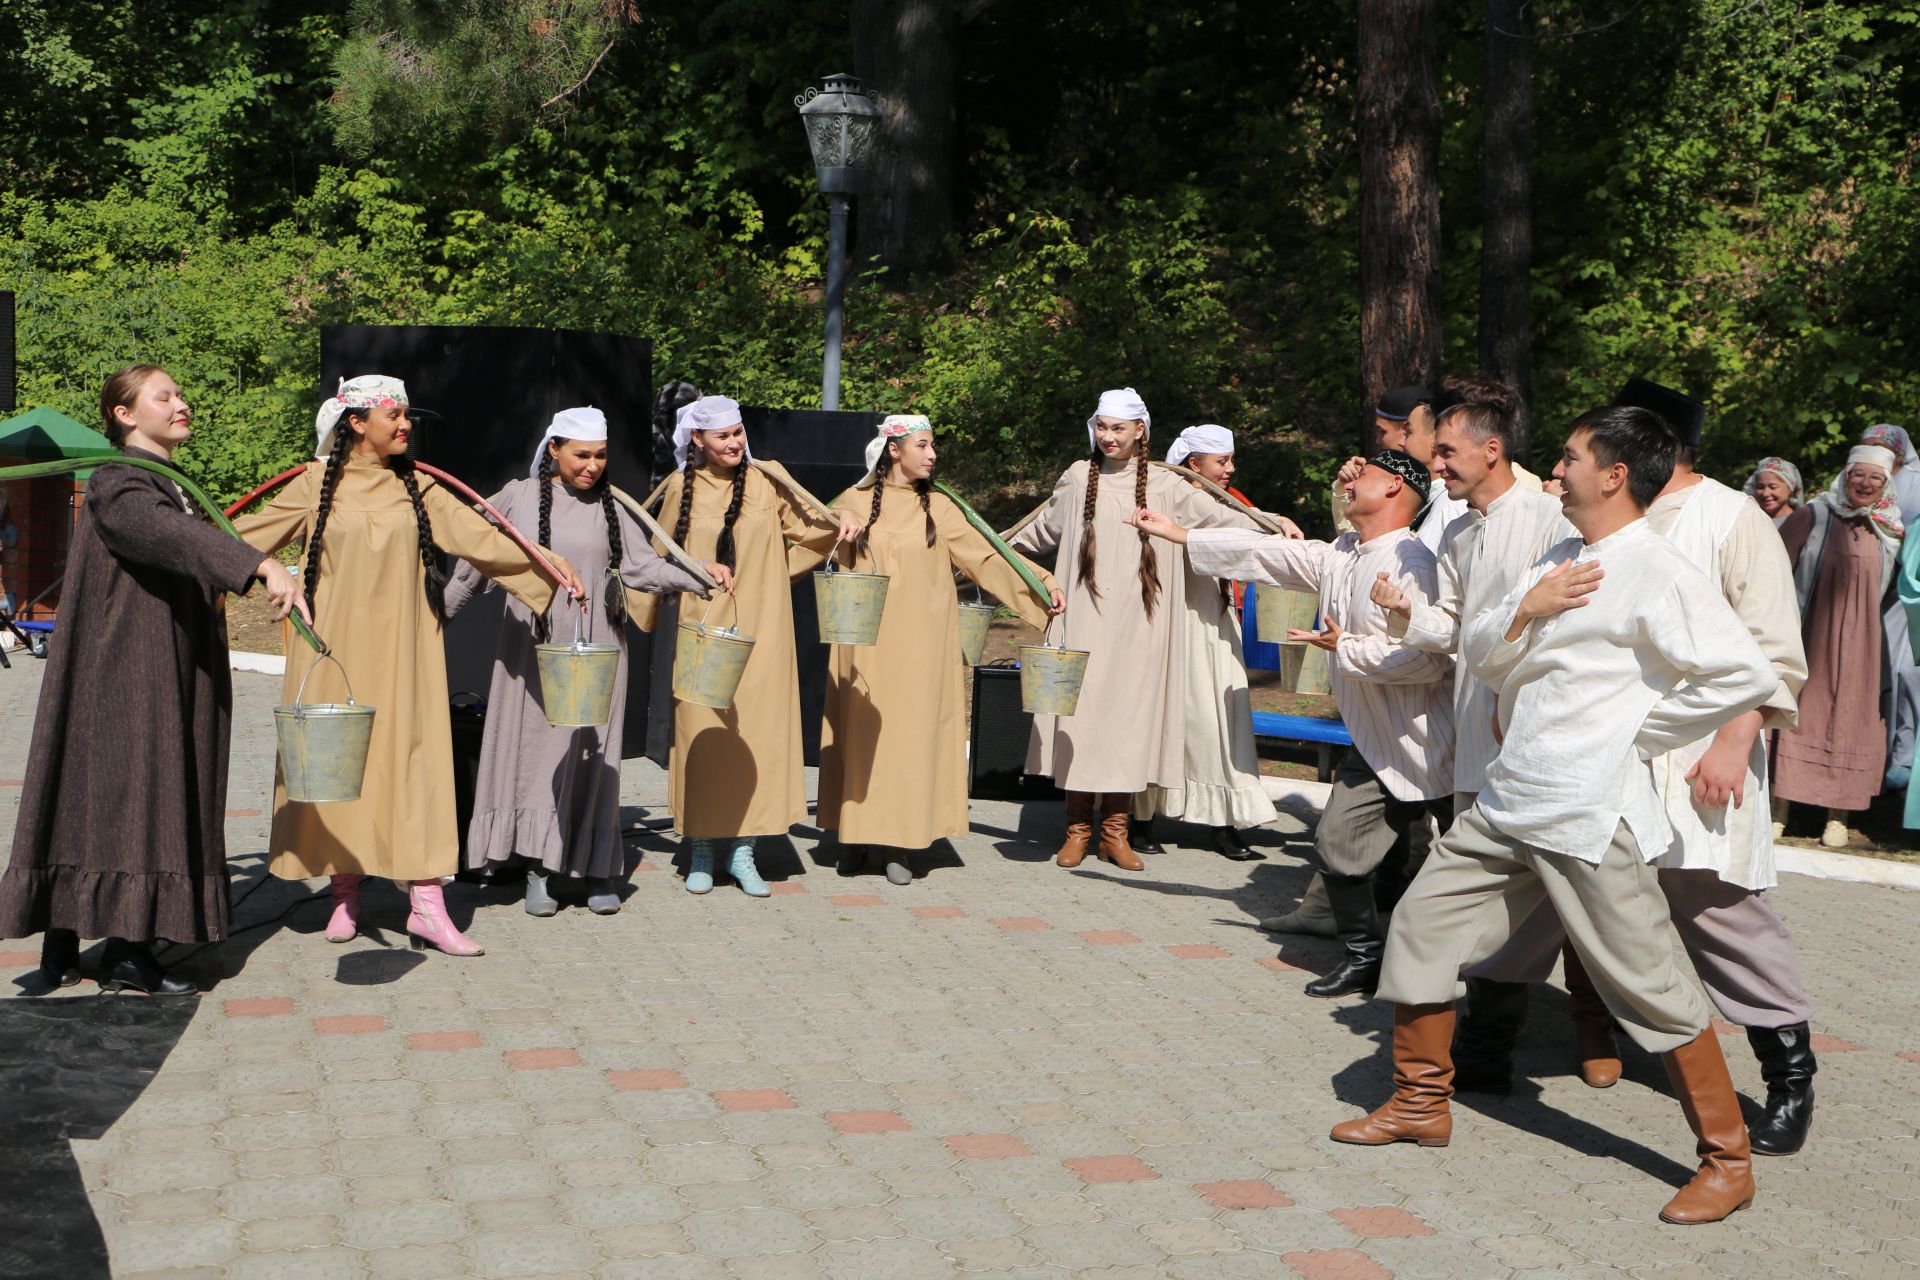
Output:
x=1738 y=943
x=1479 y=886
x=1364 y=822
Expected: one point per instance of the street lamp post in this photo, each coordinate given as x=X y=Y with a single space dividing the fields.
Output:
x=842 y=122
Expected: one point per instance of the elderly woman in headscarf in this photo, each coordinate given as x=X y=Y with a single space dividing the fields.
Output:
x=1900 y=683
x=1844 y=546
x=1905 y=487
x=1776 y=486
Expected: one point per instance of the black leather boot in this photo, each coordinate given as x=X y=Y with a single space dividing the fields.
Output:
x=1140 y=836
x=130 y=966
x=60 y=957
x=1484 y=1036
x=1357 y=926
x=1787 y=1065
x=1228 y=844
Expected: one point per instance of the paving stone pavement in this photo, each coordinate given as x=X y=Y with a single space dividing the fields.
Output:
x=1002 y=1070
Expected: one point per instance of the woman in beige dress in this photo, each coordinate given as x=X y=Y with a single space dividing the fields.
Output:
x=735 y=775
x=893 y=751
x=370 y=525
x=1126 y=605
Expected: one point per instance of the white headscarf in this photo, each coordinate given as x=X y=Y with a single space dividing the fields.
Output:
x=588 y=424
x=368 y=391
x=1123 y=403
x=1205 y=438
x=708 y=413
x=895 y=426
x=1883 y=517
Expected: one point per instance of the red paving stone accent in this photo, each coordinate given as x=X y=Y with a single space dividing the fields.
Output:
x=1022 y=924
x=936 y=913
x=857 y=900
x=260 y=1007
x=541 y=1059
x=867 y=1122
x=1248 y=1193
x=784 y=888
x=986 y=1146
x=243 y=813
x=1912 y=1056
x=1336 y=1264
x=12 y=782
x=425 y=1041
x=1110 y=1169
x=646 y=866
x=1829 y=1044
x=1197 y=951
x=754 y=1100
x=1382 y=1222
x=1108 y=937
x=1278 y=965
x=660 y=1078
x=10 y=958
x=349 y=1024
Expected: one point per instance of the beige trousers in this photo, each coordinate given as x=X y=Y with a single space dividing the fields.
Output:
x=1479 y=886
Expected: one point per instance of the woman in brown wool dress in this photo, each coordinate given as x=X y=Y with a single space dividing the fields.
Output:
x=122 y=826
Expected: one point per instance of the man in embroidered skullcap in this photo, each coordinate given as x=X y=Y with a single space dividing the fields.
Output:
x=1395 y=700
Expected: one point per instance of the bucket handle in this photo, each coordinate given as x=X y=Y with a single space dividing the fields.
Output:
x=715 y=599
x=299 y=696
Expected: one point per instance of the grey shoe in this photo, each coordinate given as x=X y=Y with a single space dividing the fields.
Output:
x=898 y=872
x=539 y=901
x=1313 y=918
x=603 y=896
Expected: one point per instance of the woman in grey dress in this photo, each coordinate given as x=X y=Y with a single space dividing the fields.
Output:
x=547 y=793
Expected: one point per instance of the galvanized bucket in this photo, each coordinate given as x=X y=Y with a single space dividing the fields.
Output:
x=323 y=745
x=975 y=618
x=1050 y=679
x=1304 y=668
x=576 y=680
x=708 y=662
x=850 y=603
x=1276 y=611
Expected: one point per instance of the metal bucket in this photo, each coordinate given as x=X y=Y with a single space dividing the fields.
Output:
x=576 y=682
x=975 y=618
x=708 y=662
x=850 y=604
x=323 y=745
x=1276 y=611
x=1303 y=668
x=1050 y=679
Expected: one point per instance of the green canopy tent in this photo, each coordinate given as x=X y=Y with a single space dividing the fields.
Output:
x=42 y=509
x=47 y=435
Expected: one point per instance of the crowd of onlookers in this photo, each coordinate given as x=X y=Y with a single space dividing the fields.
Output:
x=1852 y=577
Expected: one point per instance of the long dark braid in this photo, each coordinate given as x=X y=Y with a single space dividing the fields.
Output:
x=1149 y=563
x=686 y=494
x=925 y=489
x=336 y=458
x=615 y=590
x=723 y=550
x=543 y=625
x=1086 y=527
x=436 y=584
x=873 y=516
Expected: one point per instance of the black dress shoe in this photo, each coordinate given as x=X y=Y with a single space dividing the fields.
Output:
x=1787 y=1065
x=60 y=957
x=1357 y=974
x=130 y=966
x=1227 y=842
x=1140 y=836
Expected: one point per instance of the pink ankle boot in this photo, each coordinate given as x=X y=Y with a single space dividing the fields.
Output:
x=345 y=921
x=429 y=925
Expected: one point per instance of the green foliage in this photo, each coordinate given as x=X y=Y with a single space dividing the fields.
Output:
x=1156 y=195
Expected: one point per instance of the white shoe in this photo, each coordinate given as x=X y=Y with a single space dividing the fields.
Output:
x=1835 y=835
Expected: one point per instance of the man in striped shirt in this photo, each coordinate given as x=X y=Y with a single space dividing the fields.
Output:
x=1395 y=700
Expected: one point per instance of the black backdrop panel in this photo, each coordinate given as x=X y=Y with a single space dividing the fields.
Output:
x=825 y=452
x=496 y=389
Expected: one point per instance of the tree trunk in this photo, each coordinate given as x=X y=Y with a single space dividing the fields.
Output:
x=1399 y=128
x=1506 y=252
x=908 y=52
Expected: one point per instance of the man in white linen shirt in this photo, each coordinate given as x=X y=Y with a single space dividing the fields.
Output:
x=1719 y=866
x=1597 y=670
x=1395 y=700
x=1485 y=554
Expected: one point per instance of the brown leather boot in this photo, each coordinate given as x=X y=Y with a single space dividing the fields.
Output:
x=1724 y=1184
x=1114 y=845
x=1079 y=829
x=1592 y=1025
x=1422 y=1083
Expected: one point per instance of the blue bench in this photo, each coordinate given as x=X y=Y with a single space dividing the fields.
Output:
x=1324 y=734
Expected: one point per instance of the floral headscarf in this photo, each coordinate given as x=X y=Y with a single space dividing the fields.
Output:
x=1797 y=489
